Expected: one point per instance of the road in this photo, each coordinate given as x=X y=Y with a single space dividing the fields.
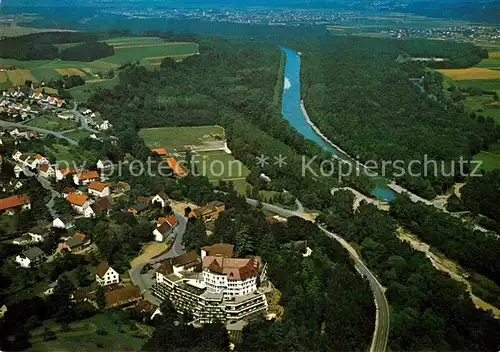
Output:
x=53 y=195
x=382 y=320
x=41 y=130
x=146 y=281
x=83 y=121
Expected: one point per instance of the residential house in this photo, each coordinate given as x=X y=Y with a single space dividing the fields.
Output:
x=50 y=290
x=80 y=203
x=104 y=164
x=77 y=242
x=64 y=222
x=98 y=189
x=86 y=177
x=106 y=275
x=47 y=171
x=175 y=167
x=121 y=187
x=147 y=310
x=160 y=151
x=161 y=198
x=124 y=296
x=11 y=186
x=209 y=212
x=15 y=202
x=62 y=173
x=3 y=310
x=38 y=233
x=187 y=262
x=138 y=208
x=68 y=190
x=30 y=257
x=104 y=126
x=165 y=228
x=100 y=206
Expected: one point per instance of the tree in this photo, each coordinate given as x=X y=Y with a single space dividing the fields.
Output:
x=61 y=206
x=168 y=63
x=100 y=298
x=83 y=275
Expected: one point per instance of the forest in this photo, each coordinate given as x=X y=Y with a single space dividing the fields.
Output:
x=429 y=310
x=360 y=96
x=42 y=46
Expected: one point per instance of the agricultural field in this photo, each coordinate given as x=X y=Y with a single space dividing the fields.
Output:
x=220 y=166
x=471 y=73
x=19 y=77
x=178 y=138
x=107 y=331
x=70 y=72
x=52 y=123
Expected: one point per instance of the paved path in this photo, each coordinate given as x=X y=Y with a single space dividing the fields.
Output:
x=381 y=333
x=54 y=194
x=145 y=281
x=83 y=121
x=41 y=130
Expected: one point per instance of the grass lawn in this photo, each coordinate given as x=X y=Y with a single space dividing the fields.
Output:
x=128 y=53
x=52 y=123
x=108 y=331
x=78 y=134
x=83 y=93
x=178 y=137
x=220 y=166
x=490 y=161
x=63 y=153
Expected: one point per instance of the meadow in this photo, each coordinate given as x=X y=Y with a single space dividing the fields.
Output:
x=471 y=73
x=172 y=138
x=52 y=123
x=148 y=51
x=111 y=330
x=220 y=166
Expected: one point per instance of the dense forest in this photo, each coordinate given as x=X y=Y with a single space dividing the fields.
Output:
x=451 y=236
x=429 y=310
x=42 y=46
x=87 y=52
x=361 y=98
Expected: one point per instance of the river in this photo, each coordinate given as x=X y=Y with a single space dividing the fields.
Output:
x=293 y=113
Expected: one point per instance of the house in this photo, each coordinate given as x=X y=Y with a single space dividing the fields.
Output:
x=175 y=167
x=124 y=296
x=165 y=228
x=98 y=189
x=66 y=115
x=147 y=310
x=104 y=126
x=30 y=257
x=38 y=233
x=62 y=173
x=68 y=190
x=3 y=310
x=78 y=242
x=100 y=206
x=18 y=201
x=104 y=164
x=80 y=203
x=161 y=198
x=11 y=186
x=47 y=171
x=187 y=262
x=209 y=212
x=160 y=151
x=138 y=208
x=18 y=170
x=50 y=290
x=106 y=275
x=64 y=222
x=86 y=177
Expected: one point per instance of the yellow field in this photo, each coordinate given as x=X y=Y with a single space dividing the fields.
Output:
x=494 y=55
x=3 y=77
x=19 y=77
x=70 y=72
x=471 y=73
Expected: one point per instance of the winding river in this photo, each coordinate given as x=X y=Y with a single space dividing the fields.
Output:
x=294 y=113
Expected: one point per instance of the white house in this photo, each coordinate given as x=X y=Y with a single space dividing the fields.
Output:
x=37 y=233
x=62 y=173
x=104 y=126
x=106 y=275
x=63 y=222
x=104 y=164
x=165 y=227
x=47 y=171
x=86 y=177
x=98 y=189
x=30 y=257
x=80 y=203
x=161 y=198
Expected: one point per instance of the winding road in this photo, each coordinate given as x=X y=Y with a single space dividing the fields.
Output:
x=382 y=320
x=41 y=130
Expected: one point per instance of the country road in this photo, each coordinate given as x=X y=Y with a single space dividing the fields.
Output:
x=41 y=130
x=381 y=332
x=83 y=121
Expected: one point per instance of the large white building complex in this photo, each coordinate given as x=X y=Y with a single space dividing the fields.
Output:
x=213 y=286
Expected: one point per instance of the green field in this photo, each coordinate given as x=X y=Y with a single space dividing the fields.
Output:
x=52 y=123
x=109 y=331
x=78 y=134
x=490 y=161
x=132 y=54
x=63 y=153
x=485 y=84
x=490 y=63
x=133 y=40
x=220 y=166
x=82 y=93
x=177 y=137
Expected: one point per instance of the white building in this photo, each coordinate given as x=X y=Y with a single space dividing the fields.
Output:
x=98 y=189
x=63 y=222
x=30 y=257
x=86 y=177
x=161 y=198
x=106 y=275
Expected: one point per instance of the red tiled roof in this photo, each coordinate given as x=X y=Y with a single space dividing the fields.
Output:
x=67 y=171
x=170 y=220
x=14 y=201
x=176 y=168
x=88 y=175
x=159 y=151
x=97 y=186
x=77 y=199
x=123 y=296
